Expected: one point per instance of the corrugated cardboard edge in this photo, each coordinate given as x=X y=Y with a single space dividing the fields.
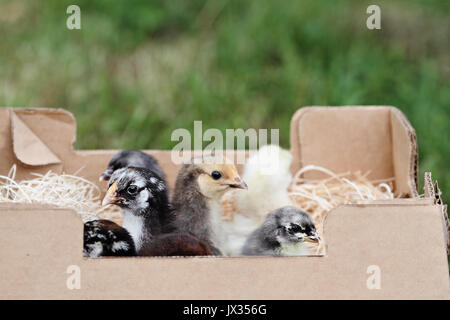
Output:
x=396 y=114
x=412 y=170
x=433 y=192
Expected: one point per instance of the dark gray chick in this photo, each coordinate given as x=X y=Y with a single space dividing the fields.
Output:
x=285 y=232
x=132 y=158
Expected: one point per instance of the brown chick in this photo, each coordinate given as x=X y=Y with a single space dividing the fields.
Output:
x=196 y=200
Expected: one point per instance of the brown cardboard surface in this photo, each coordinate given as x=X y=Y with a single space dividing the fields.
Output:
x=371 y=139
x=40 y=244
x=28 y=148
x=403 y=237
x=54 y=131
x=404 y=149
x=433 y=193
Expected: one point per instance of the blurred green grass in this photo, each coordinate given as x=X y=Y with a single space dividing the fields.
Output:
x=137 y=70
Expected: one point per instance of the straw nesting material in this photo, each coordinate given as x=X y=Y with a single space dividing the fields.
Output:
x=61 y=190
x=318 y=197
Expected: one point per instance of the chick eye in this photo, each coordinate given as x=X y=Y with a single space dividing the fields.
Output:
x=132 y=190
x=296 y=228
x=216 y=175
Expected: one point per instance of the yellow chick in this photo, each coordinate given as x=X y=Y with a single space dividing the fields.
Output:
x=267 y=174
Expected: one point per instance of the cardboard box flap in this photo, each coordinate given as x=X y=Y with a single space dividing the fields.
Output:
x=404 y=152
x=28 y=148
x=371 y=139
x=36 y=140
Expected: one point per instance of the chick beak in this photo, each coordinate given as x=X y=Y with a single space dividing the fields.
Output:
x=238 y=183
x=312 y=239
x=111 y=196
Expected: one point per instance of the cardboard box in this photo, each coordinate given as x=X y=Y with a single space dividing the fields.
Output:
x=401 y=242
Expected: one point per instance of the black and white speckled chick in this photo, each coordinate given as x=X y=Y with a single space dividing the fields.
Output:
x=142 y=196
x=132 y=158
x=106 y=238
x=285 y=232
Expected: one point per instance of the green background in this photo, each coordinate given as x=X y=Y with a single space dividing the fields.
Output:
x=137 y=70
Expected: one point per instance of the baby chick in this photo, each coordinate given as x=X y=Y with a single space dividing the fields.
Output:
x=142 y=195
x=132 y=158
x=285 y=232
x=106 y=238
x=196 y=200
x=267 y=173
x=268 y=176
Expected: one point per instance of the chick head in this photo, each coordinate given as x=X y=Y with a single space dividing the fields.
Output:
x=138 y=190
x=293 y=225
x=216 y=176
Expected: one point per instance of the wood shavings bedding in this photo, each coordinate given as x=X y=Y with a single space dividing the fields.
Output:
x=61 y=190
x=318 y=197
